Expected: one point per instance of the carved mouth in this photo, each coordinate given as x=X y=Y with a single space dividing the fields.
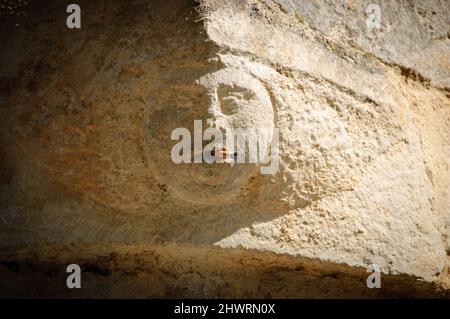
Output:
x=222 y=152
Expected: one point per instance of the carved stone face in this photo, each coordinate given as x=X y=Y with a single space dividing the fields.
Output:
x=227 y=99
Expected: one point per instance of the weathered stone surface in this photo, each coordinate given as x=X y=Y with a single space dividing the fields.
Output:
x=171 y=271
x=363 y=118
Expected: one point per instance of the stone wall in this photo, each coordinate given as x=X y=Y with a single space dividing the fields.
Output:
x=363 y=115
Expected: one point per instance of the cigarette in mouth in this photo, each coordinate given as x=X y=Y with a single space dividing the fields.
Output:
x=224 y=153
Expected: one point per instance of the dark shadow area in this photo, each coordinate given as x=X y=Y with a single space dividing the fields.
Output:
x=171 y=271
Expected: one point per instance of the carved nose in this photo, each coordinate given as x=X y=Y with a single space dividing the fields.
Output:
x=215 y=116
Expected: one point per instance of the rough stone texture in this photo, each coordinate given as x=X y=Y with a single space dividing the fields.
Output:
x=171 y=271
x=364 y=143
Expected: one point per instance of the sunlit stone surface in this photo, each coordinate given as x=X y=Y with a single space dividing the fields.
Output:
x=363 y=118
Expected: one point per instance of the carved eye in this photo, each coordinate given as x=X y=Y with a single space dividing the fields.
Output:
x=233 y=98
